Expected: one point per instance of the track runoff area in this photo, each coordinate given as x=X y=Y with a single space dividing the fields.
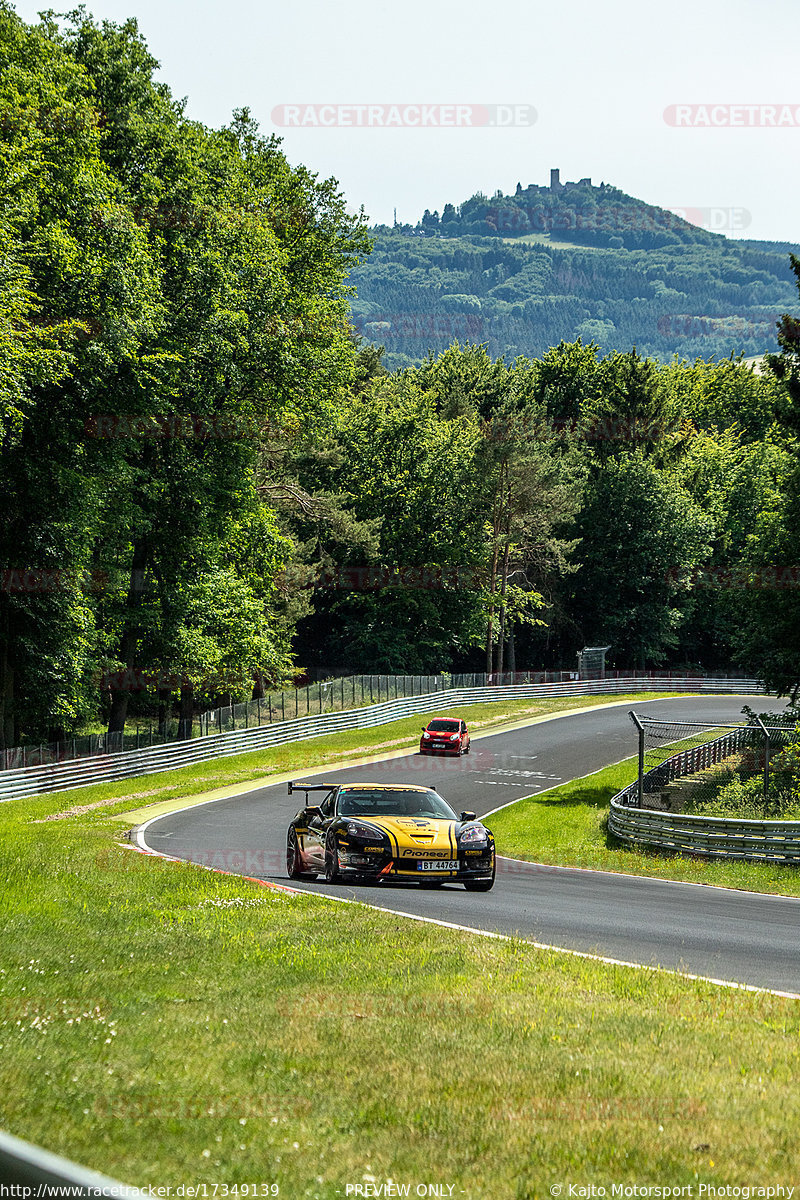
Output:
x=728 y=936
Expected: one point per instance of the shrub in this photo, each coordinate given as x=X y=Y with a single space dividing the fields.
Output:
x=744 y=798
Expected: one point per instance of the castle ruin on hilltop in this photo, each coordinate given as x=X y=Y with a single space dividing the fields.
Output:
x=555 y=184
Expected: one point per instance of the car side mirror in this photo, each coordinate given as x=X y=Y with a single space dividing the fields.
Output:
x=314 y=808
x=468 y=816
x=424 y=730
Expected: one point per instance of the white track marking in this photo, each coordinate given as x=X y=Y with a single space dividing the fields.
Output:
x=501 y=937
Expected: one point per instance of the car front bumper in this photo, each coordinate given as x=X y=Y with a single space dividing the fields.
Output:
x=471 y=865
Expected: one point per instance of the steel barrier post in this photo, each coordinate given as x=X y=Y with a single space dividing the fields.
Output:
x=765 y=731
x=640 y=728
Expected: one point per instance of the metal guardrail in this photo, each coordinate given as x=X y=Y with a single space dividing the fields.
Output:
x=64 y=776
x=707 y=837
x=35 y=1172
x=711 y=837
x=335 y=694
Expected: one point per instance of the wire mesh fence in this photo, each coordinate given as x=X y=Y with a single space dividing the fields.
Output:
x=330 y=695
x=337 y=694
x=747 y=771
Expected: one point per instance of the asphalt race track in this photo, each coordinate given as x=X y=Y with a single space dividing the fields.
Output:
x=721 y=934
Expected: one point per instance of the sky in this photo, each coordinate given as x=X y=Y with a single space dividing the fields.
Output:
x=690 y=105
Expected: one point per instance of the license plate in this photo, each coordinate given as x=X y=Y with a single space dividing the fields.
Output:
x=437 y=745
x=438 y=864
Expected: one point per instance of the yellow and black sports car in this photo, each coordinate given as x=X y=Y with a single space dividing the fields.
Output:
x=370 y=831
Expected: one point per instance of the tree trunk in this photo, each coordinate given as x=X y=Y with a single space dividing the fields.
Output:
x=6 y=683
x=512 y=653
x=501 y=641
x=164 y=696
x=6 y=690
x=493 y=582
x=186 y=712
x=129 y=642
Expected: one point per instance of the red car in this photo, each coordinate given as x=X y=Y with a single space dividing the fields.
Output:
x=445 y=735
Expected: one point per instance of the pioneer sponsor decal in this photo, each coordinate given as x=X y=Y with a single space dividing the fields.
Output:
x=425 y=853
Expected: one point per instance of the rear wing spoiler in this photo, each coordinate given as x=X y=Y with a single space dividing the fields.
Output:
x=311 y=787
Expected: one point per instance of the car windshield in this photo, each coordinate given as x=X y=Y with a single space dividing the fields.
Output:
x=390 y=802
x=444 y=726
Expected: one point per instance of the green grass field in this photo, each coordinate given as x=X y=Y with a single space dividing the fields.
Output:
x=567 y=826
x=169 y=1025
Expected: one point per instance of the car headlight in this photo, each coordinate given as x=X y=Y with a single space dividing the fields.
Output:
x=475 y=833
x=358 y=829
x=454 y=737
x=426 y=735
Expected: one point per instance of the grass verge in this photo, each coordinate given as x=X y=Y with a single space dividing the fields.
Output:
x=568 y=826
x=168 y=1025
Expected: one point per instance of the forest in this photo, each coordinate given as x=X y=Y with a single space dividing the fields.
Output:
x=523 y=272
x=214 y=479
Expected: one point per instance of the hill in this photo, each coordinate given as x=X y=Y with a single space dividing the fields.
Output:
x=523 y=272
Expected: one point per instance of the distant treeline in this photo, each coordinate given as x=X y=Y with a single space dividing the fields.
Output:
x=523 y=272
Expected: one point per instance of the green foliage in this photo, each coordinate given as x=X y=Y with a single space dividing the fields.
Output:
x=185 y=278
x=520 y=273
x=198 y=448
x=786 y=764
x=745 y=799
x=642 y=536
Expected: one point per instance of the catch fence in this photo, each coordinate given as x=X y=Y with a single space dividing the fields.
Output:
x=339 y=694
x=719 y=791
x=62 y=776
